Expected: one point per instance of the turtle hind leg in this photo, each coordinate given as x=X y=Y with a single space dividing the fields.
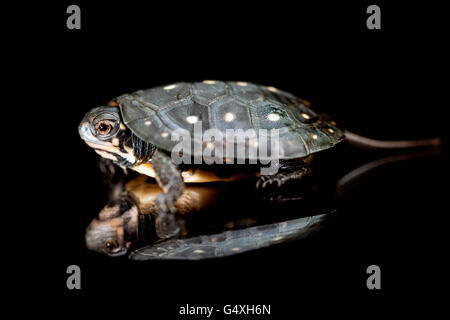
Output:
x=289 y=171
x=171 y=182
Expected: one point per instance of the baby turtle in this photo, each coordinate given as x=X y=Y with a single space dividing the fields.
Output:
x=136 y=131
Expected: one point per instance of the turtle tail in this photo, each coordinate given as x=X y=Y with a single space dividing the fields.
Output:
x=368 y=143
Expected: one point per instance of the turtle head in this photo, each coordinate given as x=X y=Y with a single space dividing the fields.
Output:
x=101 y=125
x=103 y=130
x=113 y=231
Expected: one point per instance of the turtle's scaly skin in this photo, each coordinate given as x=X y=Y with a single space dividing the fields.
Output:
x=194 y=197
x=153 y=114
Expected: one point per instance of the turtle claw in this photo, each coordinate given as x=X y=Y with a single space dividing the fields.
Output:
x=266 y=181
x=279 y=179
x=166 y=225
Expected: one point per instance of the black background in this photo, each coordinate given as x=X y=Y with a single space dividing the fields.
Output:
x=385 y=84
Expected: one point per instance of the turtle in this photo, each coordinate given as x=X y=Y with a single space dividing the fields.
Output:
x=127 y=224
x=142 y=131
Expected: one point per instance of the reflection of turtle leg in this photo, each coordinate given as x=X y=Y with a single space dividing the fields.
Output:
x=171 y=182
x=113 y=177
x=290 y=170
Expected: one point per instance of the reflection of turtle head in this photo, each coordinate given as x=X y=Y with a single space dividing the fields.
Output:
x=102 y=129
x=113 y=231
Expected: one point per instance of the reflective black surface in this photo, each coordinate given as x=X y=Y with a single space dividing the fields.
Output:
x=379 y=84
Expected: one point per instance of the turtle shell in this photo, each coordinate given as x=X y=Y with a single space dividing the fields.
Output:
x=154 y=114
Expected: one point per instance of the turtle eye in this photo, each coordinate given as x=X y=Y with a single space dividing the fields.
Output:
x=104 y=127
x=110 y=245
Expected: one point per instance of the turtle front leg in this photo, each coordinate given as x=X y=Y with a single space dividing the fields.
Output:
x=171 y=182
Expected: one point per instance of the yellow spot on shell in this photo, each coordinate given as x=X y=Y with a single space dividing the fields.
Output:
x=209 y=82
x=242 y=84
x=272 y=89
x=306 y=116
x=192 y=119
x=170 y=87
x=273 y=117
x=228 y=117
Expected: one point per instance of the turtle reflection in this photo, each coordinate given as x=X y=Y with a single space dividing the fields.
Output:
x=209 y=222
